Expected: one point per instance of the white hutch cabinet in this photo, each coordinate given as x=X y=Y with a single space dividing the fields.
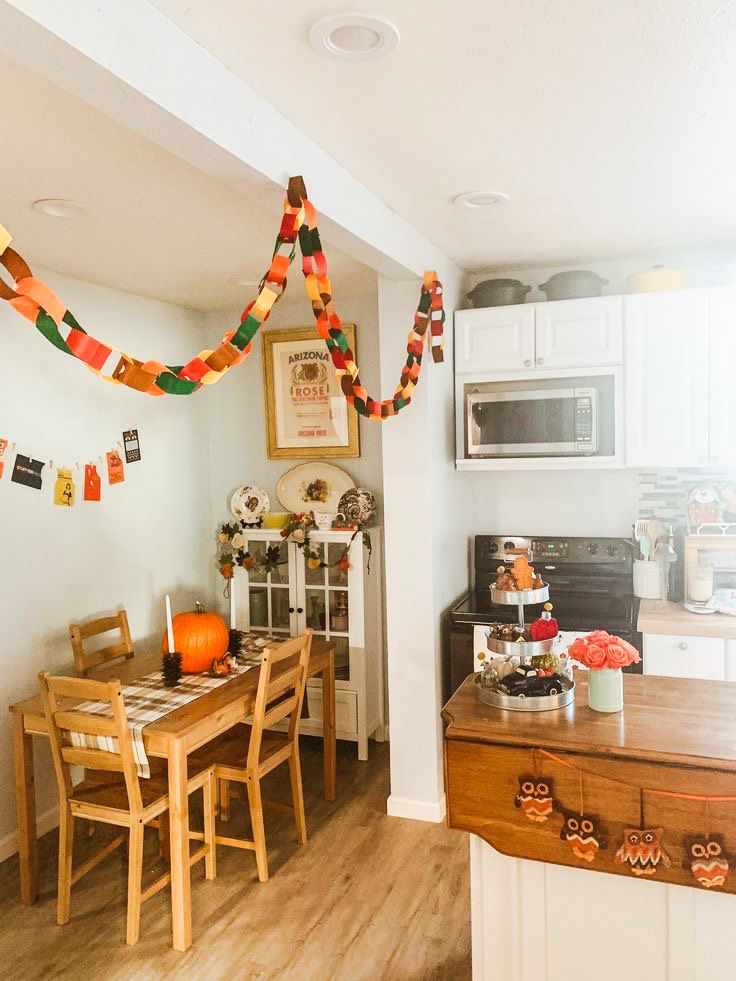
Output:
x=294 y=597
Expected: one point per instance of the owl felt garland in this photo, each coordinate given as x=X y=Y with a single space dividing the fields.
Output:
x=707 y=859
x=535 y=798
x=582 y=833
x=642 y=850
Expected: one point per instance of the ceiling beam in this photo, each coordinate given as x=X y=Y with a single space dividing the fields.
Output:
x=139 y=68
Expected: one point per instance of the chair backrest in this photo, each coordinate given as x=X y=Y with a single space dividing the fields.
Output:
x=280 y=690
x=64 y=718
x=81 y=632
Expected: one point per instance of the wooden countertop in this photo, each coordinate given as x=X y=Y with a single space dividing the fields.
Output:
x=658 y=617
x=665 y=720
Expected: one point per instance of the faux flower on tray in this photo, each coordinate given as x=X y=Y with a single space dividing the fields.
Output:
x=604 y=655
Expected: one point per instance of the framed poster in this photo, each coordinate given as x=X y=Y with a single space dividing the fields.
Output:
x=307 y=414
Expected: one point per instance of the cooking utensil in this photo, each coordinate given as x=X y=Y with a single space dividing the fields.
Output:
x=655 y=530
x=646 y=547
x=573 y=284
x=658 y=278
x=498 y=293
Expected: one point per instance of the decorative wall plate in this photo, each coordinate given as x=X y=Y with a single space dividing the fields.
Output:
x=359 y=505
x=313 y=487
x=249 y=504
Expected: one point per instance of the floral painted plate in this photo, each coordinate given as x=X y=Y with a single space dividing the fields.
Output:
x=313 y=487
x=249 y=504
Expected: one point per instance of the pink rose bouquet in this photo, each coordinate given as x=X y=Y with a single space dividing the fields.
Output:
x=603 y=650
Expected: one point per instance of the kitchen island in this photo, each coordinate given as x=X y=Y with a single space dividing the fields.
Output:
x=549 y=901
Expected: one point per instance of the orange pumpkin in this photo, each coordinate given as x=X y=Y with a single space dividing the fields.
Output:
x=200 y=637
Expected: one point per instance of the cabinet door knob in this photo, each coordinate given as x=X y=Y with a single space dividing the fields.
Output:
x=291 y=609
x=528 y=363
x=299 y=609
x=540 y=360
x=682 y=645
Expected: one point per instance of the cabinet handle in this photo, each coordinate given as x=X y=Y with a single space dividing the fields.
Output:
x=682 y=645
x=528 y=363
x=540 y=360
x=291 y=609
x=299 y=609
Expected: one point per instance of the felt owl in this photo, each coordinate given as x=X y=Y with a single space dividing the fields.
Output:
x=642 y=849
x=582 y=832
x=707 y=860
x=535 y=798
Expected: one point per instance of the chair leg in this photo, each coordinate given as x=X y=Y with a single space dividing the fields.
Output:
x=224 y=800
x=297 y=794
x=259 y=833
x=66 y=849
x=209 y=792
x=135 y=875
x=164 y=837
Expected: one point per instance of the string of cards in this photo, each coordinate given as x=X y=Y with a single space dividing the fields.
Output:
x=29 y=472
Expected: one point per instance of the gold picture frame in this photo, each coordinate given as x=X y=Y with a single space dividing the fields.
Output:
x=307 y=415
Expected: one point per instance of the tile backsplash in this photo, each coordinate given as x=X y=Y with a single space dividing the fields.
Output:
x=663 y=493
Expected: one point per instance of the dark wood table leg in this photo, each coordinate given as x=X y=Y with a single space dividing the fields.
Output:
x=329 y=733
x=25 y=804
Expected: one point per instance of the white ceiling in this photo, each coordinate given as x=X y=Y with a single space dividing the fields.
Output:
x=156 y=226
x=612 y=125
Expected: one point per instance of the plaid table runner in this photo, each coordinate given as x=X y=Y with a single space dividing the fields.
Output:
x=147 y=700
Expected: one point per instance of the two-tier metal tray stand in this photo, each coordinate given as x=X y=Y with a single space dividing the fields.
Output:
x=524 y=650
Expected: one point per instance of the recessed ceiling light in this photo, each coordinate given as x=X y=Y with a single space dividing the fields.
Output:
x=480 y=199
x=354 y=36
x=59 y=208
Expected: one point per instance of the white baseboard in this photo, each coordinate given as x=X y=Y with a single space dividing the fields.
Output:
x=45 y=822
x=417 y=810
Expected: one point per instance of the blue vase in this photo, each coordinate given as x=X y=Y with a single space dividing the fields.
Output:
x=606 y=690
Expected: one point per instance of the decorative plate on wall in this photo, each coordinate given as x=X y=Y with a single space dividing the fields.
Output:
x=249 y=504
x=313 y=487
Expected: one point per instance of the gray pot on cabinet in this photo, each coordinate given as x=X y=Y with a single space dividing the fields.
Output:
x=573 y=285
x=498 y=293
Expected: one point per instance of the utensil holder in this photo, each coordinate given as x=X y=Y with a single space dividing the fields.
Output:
x=647 y=579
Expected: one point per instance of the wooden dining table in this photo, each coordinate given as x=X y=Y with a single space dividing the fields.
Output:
x=172 y=737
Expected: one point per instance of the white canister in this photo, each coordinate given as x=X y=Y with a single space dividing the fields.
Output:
x=700 y=583
x=647 y=579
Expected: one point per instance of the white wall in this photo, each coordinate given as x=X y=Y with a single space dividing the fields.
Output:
x=238 y=445
x=145 y=536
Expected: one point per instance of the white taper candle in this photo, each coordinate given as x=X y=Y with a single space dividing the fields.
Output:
x=169 y=625
x=232 y=601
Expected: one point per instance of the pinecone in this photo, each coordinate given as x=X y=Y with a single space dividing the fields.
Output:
x=171 y=667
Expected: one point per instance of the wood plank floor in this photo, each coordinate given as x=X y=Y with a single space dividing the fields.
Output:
x=369 y=897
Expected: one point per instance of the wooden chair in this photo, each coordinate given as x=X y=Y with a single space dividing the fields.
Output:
x=115 y=795
x=247 y=752
x=80 y=632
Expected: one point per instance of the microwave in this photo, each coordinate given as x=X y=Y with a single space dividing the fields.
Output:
x=533 y=420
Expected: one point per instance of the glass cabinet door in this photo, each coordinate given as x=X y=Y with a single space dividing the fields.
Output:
x=326 y=594
x=270 y=593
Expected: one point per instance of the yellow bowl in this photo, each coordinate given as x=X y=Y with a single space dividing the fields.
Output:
x=276 y=519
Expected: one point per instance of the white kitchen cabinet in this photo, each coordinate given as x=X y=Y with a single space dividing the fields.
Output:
x=579 y=333
x=294 y=597
x=666 y=378
x=494 y=339
x=560 y=334
x=685 y=657
x=722 y=320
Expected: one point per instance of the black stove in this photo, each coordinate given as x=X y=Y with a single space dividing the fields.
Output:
x=590 y=587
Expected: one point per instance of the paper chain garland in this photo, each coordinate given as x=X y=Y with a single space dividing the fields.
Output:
x=34 y=300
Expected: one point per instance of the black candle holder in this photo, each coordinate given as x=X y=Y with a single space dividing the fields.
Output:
x=171 y=667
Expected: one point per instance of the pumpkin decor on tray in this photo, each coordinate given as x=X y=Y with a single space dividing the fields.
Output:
x=604 y=655
x=200 y=637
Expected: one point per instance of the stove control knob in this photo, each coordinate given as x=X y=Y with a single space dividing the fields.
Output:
x=611 y=550
x=508 y=546
x=593 y=548
x=493 y=547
